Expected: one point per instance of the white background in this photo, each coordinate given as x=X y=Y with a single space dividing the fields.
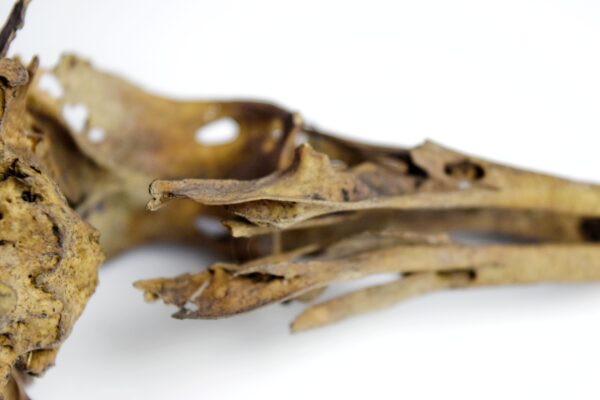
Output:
x=517 y=81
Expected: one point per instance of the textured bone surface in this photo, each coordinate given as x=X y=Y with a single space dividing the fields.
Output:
x=48 y=255
x=301 y=210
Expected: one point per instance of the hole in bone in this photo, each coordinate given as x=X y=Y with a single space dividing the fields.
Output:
x=76 y=116
x=221 y=131
x=470 y=274
x=590 y=229
x=300 y=139
x=276 y=133
x=96 y=135
x=210 y=227
x=465 y=170
x=30 y=197
x=50 y=84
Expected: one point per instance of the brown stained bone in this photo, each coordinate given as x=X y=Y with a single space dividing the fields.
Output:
x=377 y=297
x=49 y=166
x=312 y=186
x=335 y=192
x=523 y=265
x=144 y=131
x=147 y=137
x=302 y=219
x=48 y=268
x=529 y=225
x=227 y=290
x=48 y=255
x=15 y=21
x=15 y=388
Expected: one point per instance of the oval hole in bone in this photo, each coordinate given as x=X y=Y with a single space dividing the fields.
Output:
x=221 y=131
x=76 y=116
x=96 y=135
x=50 y=84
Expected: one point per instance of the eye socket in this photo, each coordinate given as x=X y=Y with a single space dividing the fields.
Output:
x=465 y=170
